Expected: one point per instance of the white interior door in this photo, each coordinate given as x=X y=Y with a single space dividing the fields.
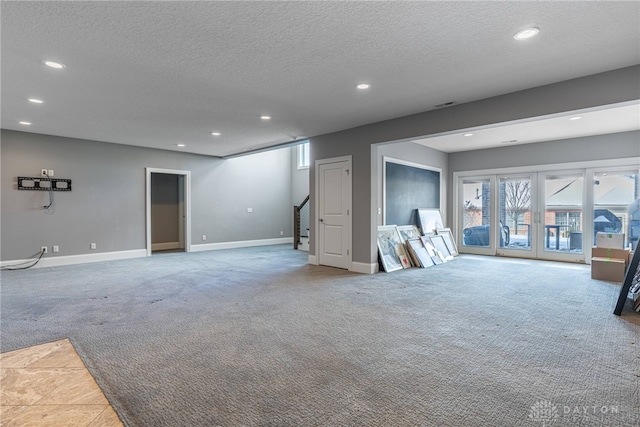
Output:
x=334 y=209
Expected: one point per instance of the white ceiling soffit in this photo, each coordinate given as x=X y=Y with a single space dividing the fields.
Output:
x=595 y=121
x=159 y=74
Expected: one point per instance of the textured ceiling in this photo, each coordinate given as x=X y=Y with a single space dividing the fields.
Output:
x=156 y=74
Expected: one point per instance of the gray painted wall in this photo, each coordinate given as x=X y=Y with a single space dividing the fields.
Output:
x=299 y=180
x=591 y=91
x=164 y=208
x=343 y=144
x=107 y=204
x=599 y=147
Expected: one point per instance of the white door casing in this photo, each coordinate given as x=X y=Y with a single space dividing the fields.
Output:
x=333 y=212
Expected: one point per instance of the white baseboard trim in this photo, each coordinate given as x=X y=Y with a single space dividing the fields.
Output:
x=356 y=267
x=241 y=244
x=364 y=267
x=57 y=261
x=165 y=246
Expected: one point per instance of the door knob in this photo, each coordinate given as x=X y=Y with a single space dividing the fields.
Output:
x=321 y=220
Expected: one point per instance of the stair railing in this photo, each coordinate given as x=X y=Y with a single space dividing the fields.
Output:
x=300 y=222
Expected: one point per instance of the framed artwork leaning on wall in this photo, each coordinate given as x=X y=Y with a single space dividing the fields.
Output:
x=391 y=249
x=447 y=235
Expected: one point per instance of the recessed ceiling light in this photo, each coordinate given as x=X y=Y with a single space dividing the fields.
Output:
x=54 y=64
x=575 y=118
x=216 y=133
x=181 y=145
x=509 y=142
x=527 y=33
x=36 y=100
x=25 y=123
x=265 y=117
x=363 y=86
x=468 y=134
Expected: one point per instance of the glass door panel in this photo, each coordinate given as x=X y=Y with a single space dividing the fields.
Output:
x=562 y=217
x=515 y=212
x=616 y=204
x=476 y=214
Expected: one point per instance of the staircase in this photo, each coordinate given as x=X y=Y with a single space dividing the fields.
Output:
x=301 y=226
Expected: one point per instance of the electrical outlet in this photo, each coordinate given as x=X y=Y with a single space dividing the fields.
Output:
x=249 y=210
x=92 y=246
x=43 y=249
x=51 y=173
x=204 y=237
x=44 y=172
x=281 y=233
x=56 y=248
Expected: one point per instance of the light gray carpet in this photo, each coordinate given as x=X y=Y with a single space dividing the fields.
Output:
x=256 y=337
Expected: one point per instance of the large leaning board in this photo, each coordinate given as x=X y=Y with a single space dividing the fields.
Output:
x=407 y=188
x=632 y=271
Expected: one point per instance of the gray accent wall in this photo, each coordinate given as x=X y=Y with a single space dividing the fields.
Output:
x=611 y=87
x=410 y=152
x=107 y=203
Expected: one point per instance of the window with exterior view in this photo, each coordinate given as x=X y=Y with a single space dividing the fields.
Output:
x=515 y=213
x=303 y=156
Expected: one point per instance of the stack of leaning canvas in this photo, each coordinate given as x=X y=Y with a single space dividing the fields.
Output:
x=404 y=247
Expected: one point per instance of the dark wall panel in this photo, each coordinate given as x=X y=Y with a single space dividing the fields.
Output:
x=408 y=188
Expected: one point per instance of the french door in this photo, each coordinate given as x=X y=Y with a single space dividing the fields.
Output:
x=547 y=214
x=516 y=212
x=562 y=218
x=526 y=215
x=616 y=203
x=477 y=212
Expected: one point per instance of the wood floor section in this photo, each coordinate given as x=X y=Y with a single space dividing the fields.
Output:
x=48 y=385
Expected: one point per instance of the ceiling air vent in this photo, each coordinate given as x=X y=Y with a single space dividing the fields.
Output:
x=446 y=104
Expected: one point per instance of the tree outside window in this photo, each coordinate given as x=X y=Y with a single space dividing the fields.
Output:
x=517 y=200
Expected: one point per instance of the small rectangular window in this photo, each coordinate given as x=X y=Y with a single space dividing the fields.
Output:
x=303 y=156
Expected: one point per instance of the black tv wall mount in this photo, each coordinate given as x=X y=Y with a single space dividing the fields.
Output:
x=43 y=184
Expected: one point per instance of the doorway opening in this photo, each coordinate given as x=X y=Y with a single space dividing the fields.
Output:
x=168 y=211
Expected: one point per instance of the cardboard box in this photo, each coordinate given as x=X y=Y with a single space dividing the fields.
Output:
x=610 y=240
x=622 y=254
x=609 y=269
